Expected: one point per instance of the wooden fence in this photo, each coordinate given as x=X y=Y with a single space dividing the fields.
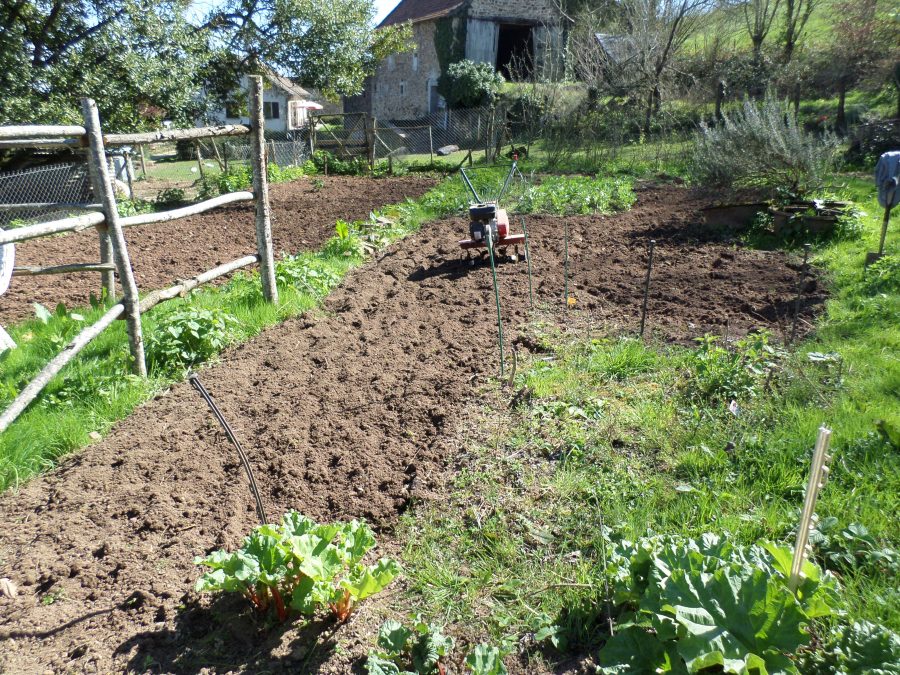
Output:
x=105 y=218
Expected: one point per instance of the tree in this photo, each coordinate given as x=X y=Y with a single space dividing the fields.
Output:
x=138 y=59
x=864 y=41
x=331 y=45
x=759 y=15
x=651 y=35
x=796 y=16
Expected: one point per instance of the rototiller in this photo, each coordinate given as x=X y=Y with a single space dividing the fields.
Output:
x=489 y=229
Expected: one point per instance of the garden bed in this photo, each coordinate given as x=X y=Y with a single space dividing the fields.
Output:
x=303 y=217
x=346 y=413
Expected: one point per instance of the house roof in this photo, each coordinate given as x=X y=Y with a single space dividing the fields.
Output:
x=287 y=85
x=419 y=10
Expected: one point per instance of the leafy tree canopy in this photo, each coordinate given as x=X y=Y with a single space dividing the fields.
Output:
x=467 y=84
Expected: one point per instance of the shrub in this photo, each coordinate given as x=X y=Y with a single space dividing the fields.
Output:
x=170 y=196
x=872 y=140
x=300 y=565
x=467 y=84
x=763 y=146
x=187 y=337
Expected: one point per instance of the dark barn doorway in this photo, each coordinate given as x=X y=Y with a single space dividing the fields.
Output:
x=515 y=52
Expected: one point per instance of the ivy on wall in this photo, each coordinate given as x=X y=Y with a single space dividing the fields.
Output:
x=450 y=40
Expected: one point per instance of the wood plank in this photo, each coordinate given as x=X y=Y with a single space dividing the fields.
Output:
x=63 y=269
x=74 y=224
x=192 y=210
x=32 y=131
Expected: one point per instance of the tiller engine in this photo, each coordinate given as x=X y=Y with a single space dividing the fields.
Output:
x=489 y=224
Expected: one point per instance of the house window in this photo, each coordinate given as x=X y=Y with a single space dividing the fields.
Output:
x=271 y=111
x=402 y=88
x=415 y=61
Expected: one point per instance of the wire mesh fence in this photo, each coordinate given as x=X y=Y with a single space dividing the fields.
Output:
x=42 y=192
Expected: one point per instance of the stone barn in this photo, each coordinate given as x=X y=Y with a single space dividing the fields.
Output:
x=505 y=33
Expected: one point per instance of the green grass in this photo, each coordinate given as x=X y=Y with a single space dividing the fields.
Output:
x=616 y=434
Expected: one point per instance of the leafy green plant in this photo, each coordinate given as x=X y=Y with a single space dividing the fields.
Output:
x=305 y=272
x=419 y=649
x=860 y=648
x=328 y=163
x=188 y=336
x=578 y=195
x=300 y=565
x=848 y=548
x=686 y=605
x=345 y=242
x=487 y=660
x=717 y=375
x=883 y=276
x=169 y=196
x=467 y=84
x=133 y=207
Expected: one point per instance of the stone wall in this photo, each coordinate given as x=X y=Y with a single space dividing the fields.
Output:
x=401 y=88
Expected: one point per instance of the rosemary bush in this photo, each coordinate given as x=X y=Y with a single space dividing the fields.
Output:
x=761 y=145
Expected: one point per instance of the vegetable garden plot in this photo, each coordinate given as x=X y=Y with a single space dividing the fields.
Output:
x=303 y=214
x=347 y=414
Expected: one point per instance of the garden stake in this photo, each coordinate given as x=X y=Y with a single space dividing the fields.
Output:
x=647 y=285
x=566 y=265
x=490 y=248
x=196 y=384
x=527 y=260
x=818 y=474
x=800 y=277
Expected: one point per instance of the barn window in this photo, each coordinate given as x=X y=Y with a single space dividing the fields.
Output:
x=415 y=61
x=402 y=88
x=271 y=110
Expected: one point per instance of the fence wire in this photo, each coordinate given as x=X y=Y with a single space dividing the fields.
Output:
x=57 y=183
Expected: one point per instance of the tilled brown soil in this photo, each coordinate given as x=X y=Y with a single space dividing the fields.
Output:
x=349 y=413
x=303 y=217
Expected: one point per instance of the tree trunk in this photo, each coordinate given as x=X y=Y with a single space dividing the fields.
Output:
x=720 y=97
x=841 y=122
x=796 y=101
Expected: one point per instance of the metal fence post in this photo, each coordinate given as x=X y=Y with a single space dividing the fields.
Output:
x=103 y=187
x=261 y=191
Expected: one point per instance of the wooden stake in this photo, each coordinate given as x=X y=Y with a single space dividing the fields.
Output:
x=143 y=162
x=261 y=190
x=103 y=188
x=647 y=285
x=801 y=276
x=199 y=159
x=818 y=473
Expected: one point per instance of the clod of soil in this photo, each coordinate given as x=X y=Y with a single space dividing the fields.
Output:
x=337 y=410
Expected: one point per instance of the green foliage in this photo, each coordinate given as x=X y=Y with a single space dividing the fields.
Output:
x=449 y=43
x=409 y=650
x=141 y=62
x=307 y=273
x=860 y=648
x=240 y=177
x=300 y=565
x=882 y=276
x=565 y=195
x=761 y=145
x=170 y=196
x=326 y=162
x=133 y=207
x=850 y=548
x=188 y=336
x=467 y=84
x=486 y=660
x=716 y=375
x=691 y=604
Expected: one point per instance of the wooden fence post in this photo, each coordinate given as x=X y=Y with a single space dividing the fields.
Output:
x=129 y=172
x=107 y=279
x=261 y=191
x=143 y=161
x=100 y=180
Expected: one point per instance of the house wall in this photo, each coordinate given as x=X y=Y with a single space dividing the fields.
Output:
x=415 y=71
x=270 y=95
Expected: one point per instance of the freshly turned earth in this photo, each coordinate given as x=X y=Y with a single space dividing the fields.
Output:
x=348 y=412
x=303 y=218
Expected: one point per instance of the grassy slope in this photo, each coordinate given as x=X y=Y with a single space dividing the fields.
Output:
x=610 y=439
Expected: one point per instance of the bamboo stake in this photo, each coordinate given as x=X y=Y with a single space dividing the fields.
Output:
x=36 y=386
x=100 y=180
x=261 y=191
x=818 y=474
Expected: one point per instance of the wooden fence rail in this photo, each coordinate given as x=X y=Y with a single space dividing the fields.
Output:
x=113 y=247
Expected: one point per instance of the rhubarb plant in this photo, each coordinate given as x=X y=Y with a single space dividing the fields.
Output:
x=686 y=605
x=419 y=650
x=300 y=566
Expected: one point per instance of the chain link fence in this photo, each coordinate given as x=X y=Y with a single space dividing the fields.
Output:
x=41 y=193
